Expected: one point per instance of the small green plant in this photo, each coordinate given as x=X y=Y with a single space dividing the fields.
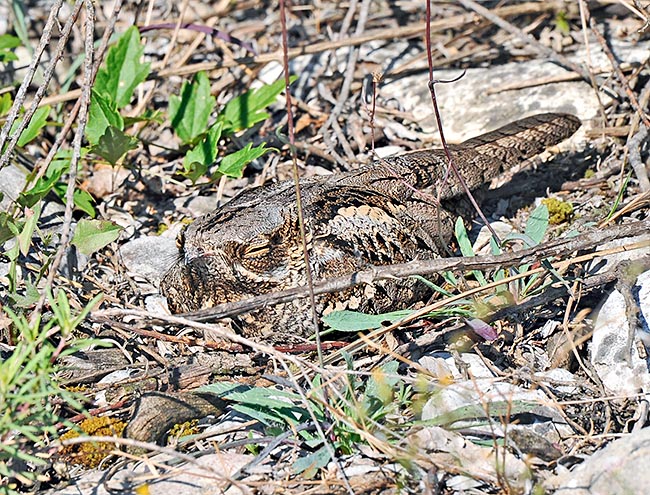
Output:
x=533 y=235
x=191 y=114
x=372 y=406
x=29 y=391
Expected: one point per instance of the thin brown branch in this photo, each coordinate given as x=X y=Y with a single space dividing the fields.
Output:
x=89 y=27
x=296 y=176
x=406 y=32
x=619 y=74
x=555 y=249
x=47 y=76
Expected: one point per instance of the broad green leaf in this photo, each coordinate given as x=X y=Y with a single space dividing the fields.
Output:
x=84 y=201
x=247 y=394
x=7 y=42
x=351 y=321
x=222 y=389
x=42 y=187
x=102 y=114
x=51 y=181
x=246 y=110
x=537 y=224
x=382 y=382
x=114 y=144
x=123 y=69
x=6 y=230
x=198 y=159
x=92 y=235
x=194 y=171
x=233 y=165
x=526 y=239
x=495 y=249
x=190 y=112
x=38 y=121
x=309 y=465
x=5 y=104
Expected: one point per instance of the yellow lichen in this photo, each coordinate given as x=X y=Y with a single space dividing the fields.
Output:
x=558 y=211
x=184 y=429
x=90 y=454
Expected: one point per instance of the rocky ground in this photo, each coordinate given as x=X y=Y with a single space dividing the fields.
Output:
x=524 y=374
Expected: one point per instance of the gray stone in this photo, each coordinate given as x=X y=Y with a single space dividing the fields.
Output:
x=149 y=256
x=615 y=347
x=470 y=106
x=621 y=467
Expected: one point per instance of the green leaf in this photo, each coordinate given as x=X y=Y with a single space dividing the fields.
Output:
x=351 y=321
x=25 y=237
x=123 y=70
x=5 y=104
x=466 y=247
x=233 y=165
x=537 y=224
x=477 y=412
x=92 y=235
x=30 y=297
x=198 y=159
x=102 y=114
x=42 y=186
x=463 y=239
x=561 y=23
x=189 y=112
x=51 y=181
x=38 y=121
x=246 y=110
x=84 y=201
x=7 y=42
x=114 y=144
x=194 y=171
x=148 y=115
x=309 y=465
x=382 y=382
x=19 y=11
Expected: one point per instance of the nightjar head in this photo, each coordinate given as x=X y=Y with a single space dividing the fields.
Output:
x=247 y=247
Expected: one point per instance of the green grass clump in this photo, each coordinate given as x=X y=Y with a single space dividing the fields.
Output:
x=31 y=395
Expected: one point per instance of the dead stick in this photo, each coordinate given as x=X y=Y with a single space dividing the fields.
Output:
x=419 y=267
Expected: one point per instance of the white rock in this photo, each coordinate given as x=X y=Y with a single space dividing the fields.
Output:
x=468 y=108
x=615 y=347
x=621 y=467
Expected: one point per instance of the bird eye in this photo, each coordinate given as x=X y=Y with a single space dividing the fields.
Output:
x=276 y=238
x=256 y=250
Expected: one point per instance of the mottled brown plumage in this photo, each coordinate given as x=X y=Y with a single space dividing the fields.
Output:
x=381 y=214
